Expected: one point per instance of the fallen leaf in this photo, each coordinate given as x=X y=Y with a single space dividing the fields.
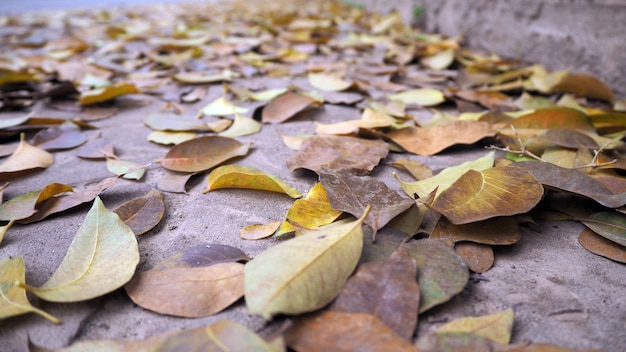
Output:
x=338 y=153
x=608 y=224
x=66 y=136
x=441 y=273
x=385 y=289
x=24 y=158
x=188 y=292
x=417 y=169
x=496 y=327
x=328 y=82
x=369 y=119
x=599 y=245
x=25 y=205
x=142 y=214
x=245 y=177
x=430 y=141
x=458 y=342
x=386 y=243
x=223 y=107
x=174 y=182
x=117 y=345
x=69 y=200
x=13 y=300
x=276 y=281
x=572 y=181
x=242 y=126
x=478 y=257
x=353 y=194
x=494 y=231
x=313 y=211
x=203 y=153
x=285 y=106
x=446 y=177
x=338 y=331
x=202 y=256
x=169 y=138
x=126 y=169
x=98 y=148
x=203 y=78
x=5 y=228
x=439 y=61
x=101 y=258
x=480 y=195
x=421 y=97
x=553 y=117
x=259 y=231
x=581 y=84
x=223 y=335
x=168 y=121
x=107 y=93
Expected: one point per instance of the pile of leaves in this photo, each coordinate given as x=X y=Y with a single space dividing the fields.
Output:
x=552 y=135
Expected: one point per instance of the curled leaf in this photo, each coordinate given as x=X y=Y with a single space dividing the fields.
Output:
x=202 y=153
x=234 y=176
x=142 y=214
x=25 y=158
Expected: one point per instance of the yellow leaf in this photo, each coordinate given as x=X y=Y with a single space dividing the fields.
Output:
x=25 y=157
x=423 y=97
x=496 y=327
x=235 y=176
x=107 y=93
x=242 y=126
x=222 y=107
x=168 y=138
x=439 y=61
x=311 y=212
x=327 y=82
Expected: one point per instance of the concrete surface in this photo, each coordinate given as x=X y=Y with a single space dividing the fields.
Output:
x=578 y=35
x=561 y=293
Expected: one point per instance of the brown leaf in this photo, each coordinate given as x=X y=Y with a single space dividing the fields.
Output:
x=599 y=245
x=142 y=214
x=352 y=194
x=25 y=205
x=572 y=181
x=430 y=141
x=285 y=107
x=188 y=292
x=69 y=200
x=202 y=256
x=66 y=136
x=495 y=231
x=387 y=290
x=338 y=153
x=478 y=257
x=441 y=273
x=554 y=117
x=203 y=153
x=480 y=195
x=174 y=182
x=336 y=331
x=584 y=85
x=99 y=148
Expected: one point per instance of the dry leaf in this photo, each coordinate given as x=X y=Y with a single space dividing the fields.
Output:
x=203 y=153
x=599 y=245
x=24 y=158
x=245 y=177
x=494 y=231
x=259 y=231
x=285 y=106
x=496 y=327
x=25 y=205
x=478 y=257
x=142 y=214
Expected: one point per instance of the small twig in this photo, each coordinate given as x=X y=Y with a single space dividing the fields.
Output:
x=594 y=164
x=522 y=152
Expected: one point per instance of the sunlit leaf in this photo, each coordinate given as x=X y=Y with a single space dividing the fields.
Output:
x=441 y=273
x=439 y=61
x=313 y=211
x=446 y=177
x=429 y=141
x=245 y=177
x=338 y=331
x=169 y=138
x=126 y=169
x=480 y=195
x=422 y=97
x=223 y=107
x=13 y=300
x=203 y=153
x=276 y=281
x=25 y=158
x=142 y=214
x=496 y=327
x=101 y=258
x=385 y=289
x=338 y=152
x=107 y=93
x=259 y=231
x=328 y=82
x=242 y=126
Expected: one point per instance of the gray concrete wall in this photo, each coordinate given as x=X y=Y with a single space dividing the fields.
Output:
x=579 y=35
